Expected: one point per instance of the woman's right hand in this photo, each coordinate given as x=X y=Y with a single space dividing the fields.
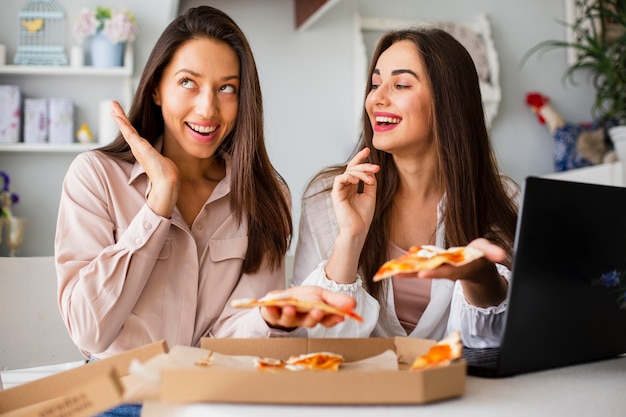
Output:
x=162 y=171
x=354 y=210
x=289 y=317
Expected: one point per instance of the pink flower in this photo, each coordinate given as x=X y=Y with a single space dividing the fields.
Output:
x=86 y=24
x=116 y=25
x=120 y=28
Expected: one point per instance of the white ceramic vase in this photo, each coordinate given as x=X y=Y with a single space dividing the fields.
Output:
x=104 y=53
x=618 y=137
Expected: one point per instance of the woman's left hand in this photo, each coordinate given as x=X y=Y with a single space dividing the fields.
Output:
x=492 y=254
x=482 y=284
x=289 y=317
x=163 y=172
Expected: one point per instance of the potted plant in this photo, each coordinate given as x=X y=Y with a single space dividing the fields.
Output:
x=108 y=30
x=599 y=33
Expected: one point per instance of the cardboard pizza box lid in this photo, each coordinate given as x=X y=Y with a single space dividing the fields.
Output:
x=92 y=388
x=306 y=387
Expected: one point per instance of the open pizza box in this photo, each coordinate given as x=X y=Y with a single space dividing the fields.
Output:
x=79 y=392
x=363 y=384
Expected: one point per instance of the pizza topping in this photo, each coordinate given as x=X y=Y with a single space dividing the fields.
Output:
x=283 y=299
x=427 y=257
x=440 y=354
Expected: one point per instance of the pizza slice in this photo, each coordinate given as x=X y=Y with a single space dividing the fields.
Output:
x=427 y=257
x=440 y=354
x=318 y=361
x=283 y=299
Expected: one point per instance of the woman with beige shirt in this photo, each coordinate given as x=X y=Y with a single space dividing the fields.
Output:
x=423 y=173
x=158 y=231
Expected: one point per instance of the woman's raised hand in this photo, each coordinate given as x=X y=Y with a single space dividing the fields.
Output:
x=354 y=208
x=162 y=171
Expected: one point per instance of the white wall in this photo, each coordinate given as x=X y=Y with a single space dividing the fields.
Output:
x=311 y=92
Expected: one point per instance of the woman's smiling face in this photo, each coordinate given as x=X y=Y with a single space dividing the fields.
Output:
x=399 y=103
x=199 y=97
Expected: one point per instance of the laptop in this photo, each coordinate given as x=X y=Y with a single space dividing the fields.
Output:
x=567 y=294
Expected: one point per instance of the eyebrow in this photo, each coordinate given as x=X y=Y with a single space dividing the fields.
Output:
x=398 y=72
x=195 y=74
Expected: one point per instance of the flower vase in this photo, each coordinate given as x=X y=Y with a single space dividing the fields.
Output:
x=618 y=137
x=104 y=53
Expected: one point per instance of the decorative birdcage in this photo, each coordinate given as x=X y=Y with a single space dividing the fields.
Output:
x=41 y=34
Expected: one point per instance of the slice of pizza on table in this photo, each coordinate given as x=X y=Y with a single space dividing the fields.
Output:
x=316 y=361
x=284 y=299
x=441 y=353
x=425 y=258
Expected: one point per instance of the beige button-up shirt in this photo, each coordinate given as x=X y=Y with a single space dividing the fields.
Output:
x=447 y=309
x=128 y=277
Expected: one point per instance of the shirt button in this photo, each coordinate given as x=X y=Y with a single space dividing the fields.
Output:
x=138 y=241
x=200 y=226
x=147 y=226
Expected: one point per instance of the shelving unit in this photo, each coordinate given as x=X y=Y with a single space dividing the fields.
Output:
x=37 y=169
x=24 y=75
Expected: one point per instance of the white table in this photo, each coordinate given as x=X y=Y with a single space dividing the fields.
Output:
x=592 y=390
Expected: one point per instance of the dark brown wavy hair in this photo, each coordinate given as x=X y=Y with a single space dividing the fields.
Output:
x=477 y=203
x=257 y=189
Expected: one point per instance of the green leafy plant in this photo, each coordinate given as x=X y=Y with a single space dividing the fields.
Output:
x=600 y=33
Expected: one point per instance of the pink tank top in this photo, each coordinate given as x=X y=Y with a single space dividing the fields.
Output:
x=411 y=295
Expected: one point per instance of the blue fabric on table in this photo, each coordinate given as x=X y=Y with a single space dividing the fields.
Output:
x=124 y=410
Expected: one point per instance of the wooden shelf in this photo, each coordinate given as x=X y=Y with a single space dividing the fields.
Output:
x=65 y=70
x=46 y=147
x=125 y=71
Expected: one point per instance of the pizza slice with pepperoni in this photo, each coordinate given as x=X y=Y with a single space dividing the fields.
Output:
x=427 y=257
x=284 y=299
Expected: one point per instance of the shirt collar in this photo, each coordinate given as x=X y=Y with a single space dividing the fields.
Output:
x=222 y=189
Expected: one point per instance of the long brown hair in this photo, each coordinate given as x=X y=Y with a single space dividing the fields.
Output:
x=257 y=189
x=476 y=202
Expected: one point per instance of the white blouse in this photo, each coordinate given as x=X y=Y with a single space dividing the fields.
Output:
x=447 y=311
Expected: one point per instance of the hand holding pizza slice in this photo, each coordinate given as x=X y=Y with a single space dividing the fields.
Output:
x=427 y=257
x=285 y=298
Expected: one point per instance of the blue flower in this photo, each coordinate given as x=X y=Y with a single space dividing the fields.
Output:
x=7 y=198
x=5 y=180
